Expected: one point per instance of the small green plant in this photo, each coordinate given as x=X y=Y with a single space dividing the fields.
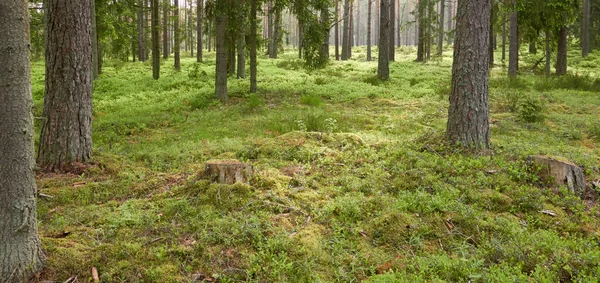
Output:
x=531 y=109
x=311 y=100
x=594 y=131
x=372 y=80
x=255 y=102
x=203 y=101
x=330 y=125
x=320 y=81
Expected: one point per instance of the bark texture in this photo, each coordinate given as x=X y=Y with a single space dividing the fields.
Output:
x=337 y=30
x=177 y=44
x=66 y=136
x=369 y=12
x=228 y=171
x=585 y=29
x=441 y=28
x=221 y=64
x=241 y=54
x=468 y=114
x=561 y=53
x=141 y=39
x=513 y=48
x=165 y=28
x=94 y=41
x=392 y=30
x=199 y=15
x=346 y=32
x=155 y=41
x=383 y=67
x=21 y=253
x=253 y=45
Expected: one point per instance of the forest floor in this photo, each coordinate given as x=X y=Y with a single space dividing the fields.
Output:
x=353 y=182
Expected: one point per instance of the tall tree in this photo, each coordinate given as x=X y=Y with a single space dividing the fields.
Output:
x=383 y=67
x=199 y=17
x=585 y=30
x=561 y=53
x=177 y=44
x=21 y=254
x=165 y=28
x=369 y=20
x=346 y=32
x=66 y=136
x=513 y=48
x=422 y=26
x=253 y=44
x=468 y=114
x=337 y=30
x=95 y=69
x=141 y=31
x=155 y=42
x=392 y=30
x=441 y=27
x=221 y=26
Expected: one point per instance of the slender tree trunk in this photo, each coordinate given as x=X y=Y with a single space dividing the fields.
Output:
x=377 y=12
x=504 y=39
x=337 y=30
x=383 y=67
x=155 y=43
x=221 y=65
x=450 y=20
x=21 y=254
x=358 y=22
x=270 y=30
x=141 y=30
x=492 y=35
x=468 y=114
x=421 y=48
x=547 y=69
x=94 y=41
x=276 y=33
x=66 y=136
x=209 y=35
x=177 y=44
x=165 y=28
x=561 y=53
x=400 y=18
x=346 y=33
x=253 y=45
x=199 y=14
x=392 y=30
x=351 y=39
x=585 y=29
x=241 y=53
x=513 y=49
x=324 y=54
x=191 y=30
x=369 y=20
x=441 y=28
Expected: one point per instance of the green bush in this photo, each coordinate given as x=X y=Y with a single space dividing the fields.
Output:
x=531 y=109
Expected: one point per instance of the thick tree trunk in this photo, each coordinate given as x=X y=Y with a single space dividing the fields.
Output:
x=66 y=135
x=492 y=36
x=141 y=30
x=346 y=32
x=165 y=28
x=324 y=54
x=337 y=30
x=253 y=45
x=468 y=114
x=369 y=20
x=221 y=64
x=383 y=67
x=94 y=41
x=585 y=29
x=441 y=28
x=276 y=33
x=421 y=29
x=21 y=254
x=513 y=48
x=561 y=53
x=392 y=30
x=199 y=12
x=155 y=42
x=177 y=44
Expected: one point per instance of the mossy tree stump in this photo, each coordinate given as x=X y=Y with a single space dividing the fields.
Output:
x=228 y=171
x=560 y=173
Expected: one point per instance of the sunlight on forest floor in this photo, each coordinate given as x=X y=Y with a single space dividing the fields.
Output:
x=376 y=195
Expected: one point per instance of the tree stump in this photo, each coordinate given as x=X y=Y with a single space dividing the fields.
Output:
x=227 y=171
x=560 y=173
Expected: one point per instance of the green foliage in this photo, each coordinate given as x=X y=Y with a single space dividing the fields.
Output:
x=531 y=109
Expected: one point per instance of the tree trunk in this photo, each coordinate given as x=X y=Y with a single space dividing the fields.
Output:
x=532 y=48
x=468 y=114
x=450 y=20
x=155 y=42
x=383 y=67
x=221 y=64
x=492 y=35
x=241 y=53
x=547 y=69
x=351 y=39
x=337 y=30
x=324 y=54
x=585 y=29
x=270 y=29
x=421 y=28
x=94 y=41
x=276 y=33
x=165 y=28
x=199 y=12
x=358 y=22
x=177 y=44
x=513 y=48
x=21 y=254
x=66 y=136
x=392 y=30
x=231 y=54
x=441 y=28
x=141 y=32
x=504 y=40
x=346 y=33
x=253 y=47
x=561 y=53
x=191 y=30
x=369 y=12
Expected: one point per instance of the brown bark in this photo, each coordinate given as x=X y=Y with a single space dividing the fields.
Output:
x=155 y=42
x=392 y=30
x=346 y=32
x=141 y=32
x=253 y=45
x=165 y=28
x=177 y=44
x=21 y=254
x=513 y=48
x=221 y=64
x=337 y=30
x=468 y=114
x=66 y=136
x=421 y=48
x=561 y=53
x=369 y=12
x=585 y=29
x=199 y=12
x=94 y=41
x=441 y=28
x=383 y=67
x=241 y=54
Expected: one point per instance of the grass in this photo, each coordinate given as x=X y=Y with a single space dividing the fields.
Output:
x=353 y=182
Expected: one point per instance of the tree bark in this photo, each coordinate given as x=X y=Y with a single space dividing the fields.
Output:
x=337 y=30
x=66 y=135
x=547 y=69
x=504 y=39
x=241 y=53
x=585 y=29
x=276 y=33
x=346 y=33
x=392 y=30
x=358 y=22
x=177 y=36
x=199 y=12
x=155 y=42
x=421 y=9
x=441 y=28
x=270 y=29
x=141 y=32
x=21 y=254
x=221 y=64
x=253 y=47
x=468 y=114
x=94 y=41
x=513 y=48
x=491 y=35
x=383 y=67
x=191 y=30
x=324 y=54
x=165 y=28
x=561 y=53
x=369 y=20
